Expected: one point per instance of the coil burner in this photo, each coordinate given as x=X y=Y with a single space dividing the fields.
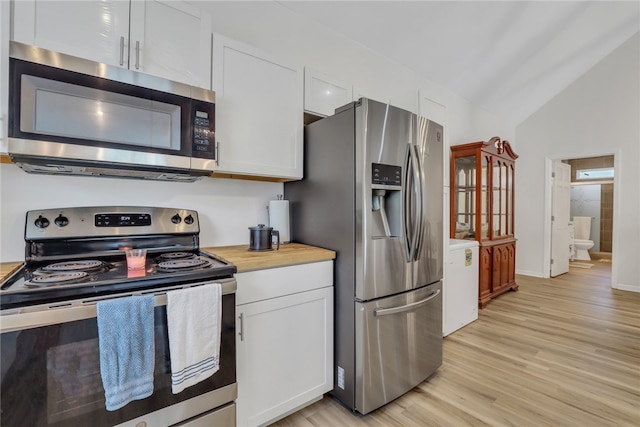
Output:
x=185 y=264
x=54 y=279
x=174 y=255
x=88 y=265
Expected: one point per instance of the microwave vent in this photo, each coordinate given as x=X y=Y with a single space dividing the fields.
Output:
x=52 y=167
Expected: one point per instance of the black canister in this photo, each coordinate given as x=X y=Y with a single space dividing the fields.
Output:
x=260 y=238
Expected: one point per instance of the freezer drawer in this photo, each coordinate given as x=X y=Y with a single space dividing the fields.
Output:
x=398 y=345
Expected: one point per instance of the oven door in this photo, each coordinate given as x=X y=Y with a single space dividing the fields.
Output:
x=51 y=370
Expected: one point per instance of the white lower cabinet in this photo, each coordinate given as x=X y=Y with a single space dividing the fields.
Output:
x=285 y=340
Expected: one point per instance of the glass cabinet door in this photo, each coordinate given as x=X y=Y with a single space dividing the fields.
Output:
x=510 y=200
x=484 y=198
x=464 y=204
x=495 y=196
x=502 y=199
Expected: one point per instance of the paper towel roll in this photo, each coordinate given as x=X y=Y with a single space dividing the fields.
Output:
x=279 y=218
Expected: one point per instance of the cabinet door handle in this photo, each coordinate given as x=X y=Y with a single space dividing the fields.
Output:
x=217 y=153
x=241 y=333
x=137 y=54
x=121 y=50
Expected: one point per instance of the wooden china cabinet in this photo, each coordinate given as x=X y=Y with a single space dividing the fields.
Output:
x=482 y=208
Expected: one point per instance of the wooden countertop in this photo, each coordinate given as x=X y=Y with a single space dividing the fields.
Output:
x=6 y=268
x=288 y=254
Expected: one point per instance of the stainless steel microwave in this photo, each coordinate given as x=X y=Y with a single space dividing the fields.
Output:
x=72 y=116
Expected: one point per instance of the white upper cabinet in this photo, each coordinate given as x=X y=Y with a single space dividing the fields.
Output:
x=174 y=39
x=259 y=112
x=169 y=39
x=323 y=94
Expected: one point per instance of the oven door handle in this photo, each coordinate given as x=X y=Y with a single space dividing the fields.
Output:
x=63 y=312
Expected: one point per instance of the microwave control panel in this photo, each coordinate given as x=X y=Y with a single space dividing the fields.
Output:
x=203 y=134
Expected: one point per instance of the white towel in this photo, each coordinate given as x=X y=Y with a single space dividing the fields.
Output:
x=194 y=322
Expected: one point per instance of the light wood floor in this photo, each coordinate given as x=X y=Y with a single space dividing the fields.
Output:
x=559 y=352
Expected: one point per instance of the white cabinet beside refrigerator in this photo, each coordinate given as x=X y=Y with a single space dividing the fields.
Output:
x=460 y=290
x=284 y=340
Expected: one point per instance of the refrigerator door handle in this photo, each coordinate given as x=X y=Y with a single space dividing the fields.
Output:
x=420 y=200
x=408 y=307
x=406 y=207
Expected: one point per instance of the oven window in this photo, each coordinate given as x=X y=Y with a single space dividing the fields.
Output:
x=74 y=385
x=51 y=375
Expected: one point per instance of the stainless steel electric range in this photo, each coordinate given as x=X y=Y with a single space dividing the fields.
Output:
x=75 y=257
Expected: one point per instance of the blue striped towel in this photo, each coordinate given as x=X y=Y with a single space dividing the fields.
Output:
x=127 y=349
x=193 y=323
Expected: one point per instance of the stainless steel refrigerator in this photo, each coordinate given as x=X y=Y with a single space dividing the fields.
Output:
x=373 y=192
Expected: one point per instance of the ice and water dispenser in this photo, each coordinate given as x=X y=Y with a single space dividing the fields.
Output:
x=386 y=200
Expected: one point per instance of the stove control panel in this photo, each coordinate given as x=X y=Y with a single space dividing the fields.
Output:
x=123 y=220
x=109 y=221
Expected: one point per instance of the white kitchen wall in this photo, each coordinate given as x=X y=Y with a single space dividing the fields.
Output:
x=597 y=114
x=228 y=207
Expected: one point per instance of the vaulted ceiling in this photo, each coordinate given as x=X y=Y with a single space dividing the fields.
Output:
x=510 y=57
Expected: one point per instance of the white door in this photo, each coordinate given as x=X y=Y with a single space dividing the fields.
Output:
x=560 y=203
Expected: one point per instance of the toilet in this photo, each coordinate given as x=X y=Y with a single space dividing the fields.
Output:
x=581 y=234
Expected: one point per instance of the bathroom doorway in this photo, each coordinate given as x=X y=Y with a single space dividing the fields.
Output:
x=591 y=196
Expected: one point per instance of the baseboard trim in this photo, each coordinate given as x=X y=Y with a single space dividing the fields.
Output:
x=530 y=273
x=623 y=287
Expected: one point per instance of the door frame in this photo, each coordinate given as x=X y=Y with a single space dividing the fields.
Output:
x=548 y=194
